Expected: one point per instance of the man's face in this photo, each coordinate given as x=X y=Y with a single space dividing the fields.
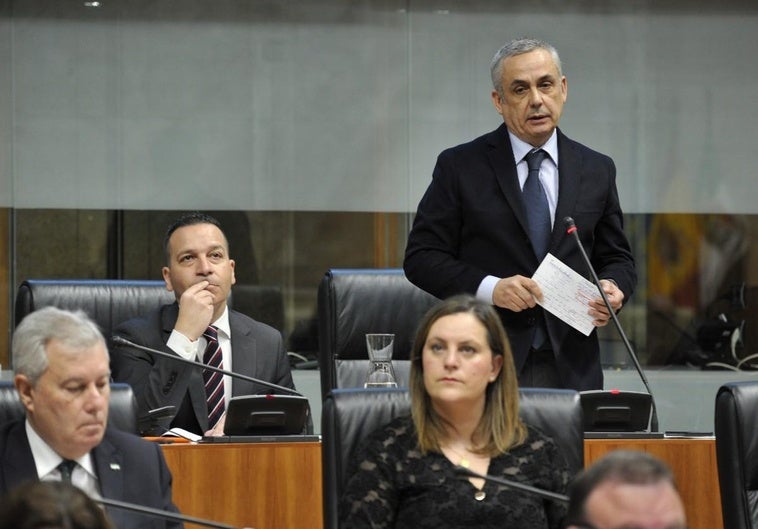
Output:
x=624 y=506
x=199 y=252
x=533 y=96
x=68 y=405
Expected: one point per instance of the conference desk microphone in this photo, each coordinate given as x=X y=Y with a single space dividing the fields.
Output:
x=119 y=340
x=571 y=229
x=160 y=514
x=464 y=472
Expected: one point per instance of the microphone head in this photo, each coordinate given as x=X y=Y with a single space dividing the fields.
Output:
x=569 y=222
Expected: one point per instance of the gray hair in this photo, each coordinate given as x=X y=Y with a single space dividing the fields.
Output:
x=620 y=466
x=74 y=330
x=518 y=47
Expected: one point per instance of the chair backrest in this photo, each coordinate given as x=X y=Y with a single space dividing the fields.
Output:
x=349 y=415
x=736 y=431
x=108 y=302
x=122 y=409
x=264 y=303
x=354 y=302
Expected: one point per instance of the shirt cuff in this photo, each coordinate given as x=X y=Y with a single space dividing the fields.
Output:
x=183 y=346
x=487 y=289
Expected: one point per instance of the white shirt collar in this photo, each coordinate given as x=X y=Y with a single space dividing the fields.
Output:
x=46 y=459
x=222 y=323
x=521 y=148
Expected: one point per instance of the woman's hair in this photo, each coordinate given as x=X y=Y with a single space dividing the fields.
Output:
x=500 y=427
x=51 y=505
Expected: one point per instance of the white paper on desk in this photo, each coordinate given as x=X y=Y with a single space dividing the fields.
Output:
x=565 y=293
x=181 y=432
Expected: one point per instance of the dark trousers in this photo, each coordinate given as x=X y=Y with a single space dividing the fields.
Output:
x=540 y=370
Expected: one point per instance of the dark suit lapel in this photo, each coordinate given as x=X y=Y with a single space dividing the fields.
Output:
x=503 y=164
x=569 y=179
x=107 y=459
x=569 y=183
x=196 y=388
x=244 y=353
x=18 y=461
x=168 y=320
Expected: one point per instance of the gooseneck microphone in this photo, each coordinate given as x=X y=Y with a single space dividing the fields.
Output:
x=119 y=340
x=464 y=472
x=571 y=229
x=159 y=513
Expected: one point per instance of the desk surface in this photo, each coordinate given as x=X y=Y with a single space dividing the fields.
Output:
x=260 y=485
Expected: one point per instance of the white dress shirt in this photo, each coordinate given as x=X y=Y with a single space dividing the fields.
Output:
x=190 y=350
x=47 y=461
x=549 y=181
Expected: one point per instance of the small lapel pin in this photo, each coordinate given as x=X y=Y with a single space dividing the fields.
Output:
x=115 y=466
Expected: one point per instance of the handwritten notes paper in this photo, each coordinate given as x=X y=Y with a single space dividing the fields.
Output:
x=565 y=293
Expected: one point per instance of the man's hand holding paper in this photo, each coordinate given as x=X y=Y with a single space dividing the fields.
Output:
x=572 y=298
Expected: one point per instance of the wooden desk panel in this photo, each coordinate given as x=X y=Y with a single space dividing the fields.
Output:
x=278 y=486
x=693 y=462
x=260 y=485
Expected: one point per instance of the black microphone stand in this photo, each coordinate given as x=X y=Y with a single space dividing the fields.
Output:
x=118 y=340
x=464 y=472
x=573 y=230
x=161 y=514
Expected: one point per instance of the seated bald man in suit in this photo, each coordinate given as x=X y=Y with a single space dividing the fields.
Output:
x=624 y=489
x=200 y=272
x=63 y=380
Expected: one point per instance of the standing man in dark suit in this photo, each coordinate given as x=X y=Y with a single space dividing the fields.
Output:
x=63 y=380
x=201 y=274
x=474 y=233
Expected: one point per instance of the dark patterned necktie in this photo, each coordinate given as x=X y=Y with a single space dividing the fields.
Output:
x=538 y=217
x=214 y=382
x=537 y=208
x=66 y=468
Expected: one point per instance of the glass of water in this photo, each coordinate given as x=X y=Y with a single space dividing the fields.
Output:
x=380 y=371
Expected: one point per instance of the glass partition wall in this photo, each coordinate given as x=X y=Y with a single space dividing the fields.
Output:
x=696 y=285
x=311 y=130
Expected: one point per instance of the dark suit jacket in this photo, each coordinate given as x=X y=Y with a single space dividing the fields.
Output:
x=128 y=469
x=257 y=351
x=471 y=223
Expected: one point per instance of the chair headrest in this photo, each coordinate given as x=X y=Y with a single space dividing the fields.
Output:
x=122 y=408
x=353 y=303
x=108 y=302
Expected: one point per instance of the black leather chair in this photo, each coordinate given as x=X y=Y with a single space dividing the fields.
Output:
x=349 y=415
x=107 y=301
x=122 y=409
x=264 y=303
x=110 y=302
x=736 y=431
x=353 y=302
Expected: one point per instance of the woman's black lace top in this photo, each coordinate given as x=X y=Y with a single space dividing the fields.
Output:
x=393 y=486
